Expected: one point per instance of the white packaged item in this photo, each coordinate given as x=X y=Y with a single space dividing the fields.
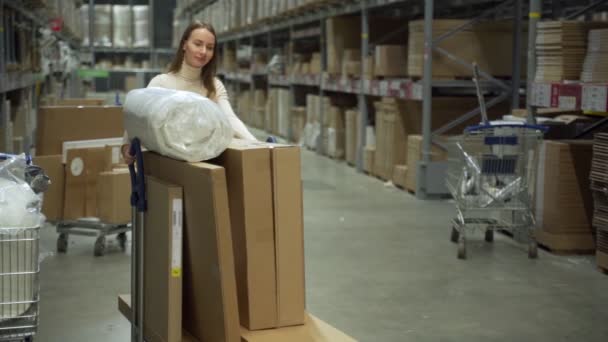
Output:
x=103 y=25
x=122 y=25
x=84 y=22
x=177 y=124
x=141 y=34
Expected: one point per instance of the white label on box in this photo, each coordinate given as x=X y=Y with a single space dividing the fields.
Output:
x=567 y=102
x=541 y=94
x=383 y=88
x=594 y=98
x=77 y=166
x=115 y=154
x=416 y=91
x=176 y=238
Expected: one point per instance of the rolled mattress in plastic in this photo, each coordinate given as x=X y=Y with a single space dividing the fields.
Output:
x=178 y=124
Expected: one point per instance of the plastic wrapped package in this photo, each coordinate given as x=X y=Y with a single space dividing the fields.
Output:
x=177 y=124
x=252 y=12
x=20 y=221
x=103 y=25
x=141 y=34
x=122 y=25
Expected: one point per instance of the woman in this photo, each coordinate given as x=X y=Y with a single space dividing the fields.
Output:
x=193 y=69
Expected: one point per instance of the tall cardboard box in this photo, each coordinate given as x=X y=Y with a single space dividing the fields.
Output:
x=249 y=180
x=400 y=175
x=163 y=261
x=265 y=195
x=113 y=196
x=82 y=170
x=351 y=135
x=342 y=33
x=210 y=309
x=59 y=124
x=368 y=159
x=414 y=155
x=52 y=205
x=564 y=202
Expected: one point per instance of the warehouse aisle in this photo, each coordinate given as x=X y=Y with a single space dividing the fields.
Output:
x=379 y=266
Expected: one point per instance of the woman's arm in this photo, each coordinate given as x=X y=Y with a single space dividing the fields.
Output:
x=240 y=130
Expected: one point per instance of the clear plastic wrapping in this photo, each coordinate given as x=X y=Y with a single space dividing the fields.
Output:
x=103 y=25
x=177 y=124
x=20 y=205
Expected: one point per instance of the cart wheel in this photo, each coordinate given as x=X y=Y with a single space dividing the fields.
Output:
x=62 y=243
x=455 y=235
x=532 y=250
x=462 y=249
x=100 y=246
x=489 y=235
x=122 y=241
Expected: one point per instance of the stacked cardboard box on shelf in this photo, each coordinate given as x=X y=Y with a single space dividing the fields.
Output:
x=336 y=133
x=599 y=182
x=561 y=48
x=390 y=60
x=595 y=68
x=563 y=206
x=298 y=121
x=484 y=44
x=414 y=155
x=351 y=63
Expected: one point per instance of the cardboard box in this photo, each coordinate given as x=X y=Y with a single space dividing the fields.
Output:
x=390 y=60
x=368 y=159
x=564 y=202
x=249 y=179
x=163 y=261
x=342 y=33
x=264 y=183
x=414 y=155
x=399 y=175
x=52 y=205
x=566 y=242
x=79 y=102
x=59 y=124
x=82 y=170
x=602 y=260
x=113 y=158
x=313 y=330
x=114 y=196
x=124 y=307
x=351 y=135
x=210 y=306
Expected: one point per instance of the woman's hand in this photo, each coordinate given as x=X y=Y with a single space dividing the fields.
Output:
x=129 y=159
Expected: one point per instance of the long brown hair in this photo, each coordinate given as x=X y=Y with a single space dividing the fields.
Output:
x=210 y=69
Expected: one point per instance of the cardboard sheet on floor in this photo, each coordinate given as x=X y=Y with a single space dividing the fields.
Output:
x=313 y=330
x=209 y=294
x=163 y=262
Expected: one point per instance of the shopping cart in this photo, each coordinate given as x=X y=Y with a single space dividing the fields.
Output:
x=19 y=254
x=491 y=176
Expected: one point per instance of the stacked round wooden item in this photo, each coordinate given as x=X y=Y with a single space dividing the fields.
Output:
x=599 y=186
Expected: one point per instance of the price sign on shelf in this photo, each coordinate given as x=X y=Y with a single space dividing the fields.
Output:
x=56 y=24
x=595 y=98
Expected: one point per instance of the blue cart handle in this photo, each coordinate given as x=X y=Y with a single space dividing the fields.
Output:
x=138 y=184
x=541 y=128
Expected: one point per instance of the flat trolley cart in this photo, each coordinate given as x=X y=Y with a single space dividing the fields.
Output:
x=491 y=176
x=91 y=227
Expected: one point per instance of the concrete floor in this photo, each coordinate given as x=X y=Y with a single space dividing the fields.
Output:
x=379 y=266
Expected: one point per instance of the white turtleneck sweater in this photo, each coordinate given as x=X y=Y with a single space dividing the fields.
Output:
x=189 y=79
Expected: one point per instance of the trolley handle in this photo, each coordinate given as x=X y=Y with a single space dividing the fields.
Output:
x=138 y=185
x=482 y=127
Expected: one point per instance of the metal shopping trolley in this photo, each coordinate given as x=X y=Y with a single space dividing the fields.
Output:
x=491 y=176
x=19 y=252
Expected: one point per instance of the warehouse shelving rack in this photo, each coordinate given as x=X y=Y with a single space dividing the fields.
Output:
x=430 y=174
x=21 y=81
x=90 y=53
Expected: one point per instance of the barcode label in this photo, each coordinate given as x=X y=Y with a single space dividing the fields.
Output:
x=176 y=239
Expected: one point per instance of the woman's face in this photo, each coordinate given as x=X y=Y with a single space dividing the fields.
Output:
x=198 y=49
